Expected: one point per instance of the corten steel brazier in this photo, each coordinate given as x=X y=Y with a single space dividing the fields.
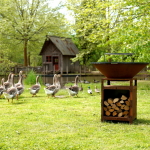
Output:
x=116 y=72
x=119 y=69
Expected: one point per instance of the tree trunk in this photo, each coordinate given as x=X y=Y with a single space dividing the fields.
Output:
x=28 y=58
x=25 y=53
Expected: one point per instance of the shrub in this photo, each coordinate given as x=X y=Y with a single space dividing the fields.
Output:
x=31 y=78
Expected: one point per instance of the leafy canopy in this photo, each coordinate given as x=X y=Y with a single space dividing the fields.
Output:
x=24 y=25
x=116 y=26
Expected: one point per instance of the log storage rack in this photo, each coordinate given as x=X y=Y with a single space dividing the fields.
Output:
x=119 y=102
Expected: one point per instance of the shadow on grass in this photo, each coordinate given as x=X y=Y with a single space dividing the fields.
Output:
x=141 y=121
x=17 y=103
x=135 y=122
x=116 y=121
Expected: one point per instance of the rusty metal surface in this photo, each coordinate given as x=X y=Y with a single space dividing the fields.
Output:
x=119 y=69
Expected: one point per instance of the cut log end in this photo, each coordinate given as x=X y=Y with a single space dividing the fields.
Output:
x=117 y=107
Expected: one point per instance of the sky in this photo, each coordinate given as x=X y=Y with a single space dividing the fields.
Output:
x=64 y=10
x=56 y=2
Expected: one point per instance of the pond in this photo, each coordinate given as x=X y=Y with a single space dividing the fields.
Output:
x=71 y=78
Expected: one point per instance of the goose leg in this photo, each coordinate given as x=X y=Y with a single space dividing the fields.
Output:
x=17 y=96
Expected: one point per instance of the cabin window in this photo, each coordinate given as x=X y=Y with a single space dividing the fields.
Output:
x=48 y=58
x=55 y=60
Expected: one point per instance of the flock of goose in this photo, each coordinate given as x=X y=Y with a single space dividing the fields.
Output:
x=9 y=89
x=12 y=90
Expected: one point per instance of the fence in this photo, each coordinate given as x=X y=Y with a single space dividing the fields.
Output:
x=41 y=70
x=37 y=69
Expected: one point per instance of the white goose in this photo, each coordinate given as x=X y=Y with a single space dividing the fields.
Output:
x=2 y=87
x=57 y=82
x=11 y=92
x=73 y=90
x=20 y=86
x=19 y=80
x=8 y=83
x=35 y=88
x=54 y=88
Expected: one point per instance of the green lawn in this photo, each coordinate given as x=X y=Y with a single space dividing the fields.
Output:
x=71 y=123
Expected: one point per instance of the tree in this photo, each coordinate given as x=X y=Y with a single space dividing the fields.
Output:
x=28 y=22
x=104 y=26
x=5 y=64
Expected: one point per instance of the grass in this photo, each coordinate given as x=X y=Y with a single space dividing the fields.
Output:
x=71 y=123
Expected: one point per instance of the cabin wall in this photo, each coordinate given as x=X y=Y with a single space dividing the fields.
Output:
x=69 y=66
x=51 y=50
x=65 y=64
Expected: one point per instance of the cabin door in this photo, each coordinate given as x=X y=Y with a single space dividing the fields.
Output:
x=55 y=63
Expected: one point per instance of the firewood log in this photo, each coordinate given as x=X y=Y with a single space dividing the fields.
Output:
x=125 y=112
x=105 y=108
x=121 y=101
x=127 y=103
x=114 y=113
x=107 y=113
x=105 y=103
x=111 y=110
x=113 y=106
x=115 y=100
x=110 y=100
x=109 y=107
x=126 y=107
x=122 y=106
x=123 y=97
x=120 y=114
x=119 y=111
x=116 y=108
x=118 y=104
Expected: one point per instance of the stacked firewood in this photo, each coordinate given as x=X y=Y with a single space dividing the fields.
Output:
x=117 y=107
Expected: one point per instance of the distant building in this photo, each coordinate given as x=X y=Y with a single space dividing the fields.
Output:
x=56 y=55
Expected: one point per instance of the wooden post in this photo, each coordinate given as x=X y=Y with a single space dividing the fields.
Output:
x=84 y=69
x=61 y=70
x=80 y=72
x=44 y=75
x=61 y=65
x=67 y=69
x=53 y=69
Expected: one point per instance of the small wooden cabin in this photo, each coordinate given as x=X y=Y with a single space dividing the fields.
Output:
x=56 y=55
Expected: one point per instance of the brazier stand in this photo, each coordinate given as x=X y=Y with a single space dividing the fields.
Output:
x=113 y=91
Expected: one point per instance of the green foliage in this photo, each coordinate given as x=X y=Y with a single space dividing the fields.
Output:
x=111 y=27
x=5 y=64
x=25 y=32
x=31 y=78
x=116 y=58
